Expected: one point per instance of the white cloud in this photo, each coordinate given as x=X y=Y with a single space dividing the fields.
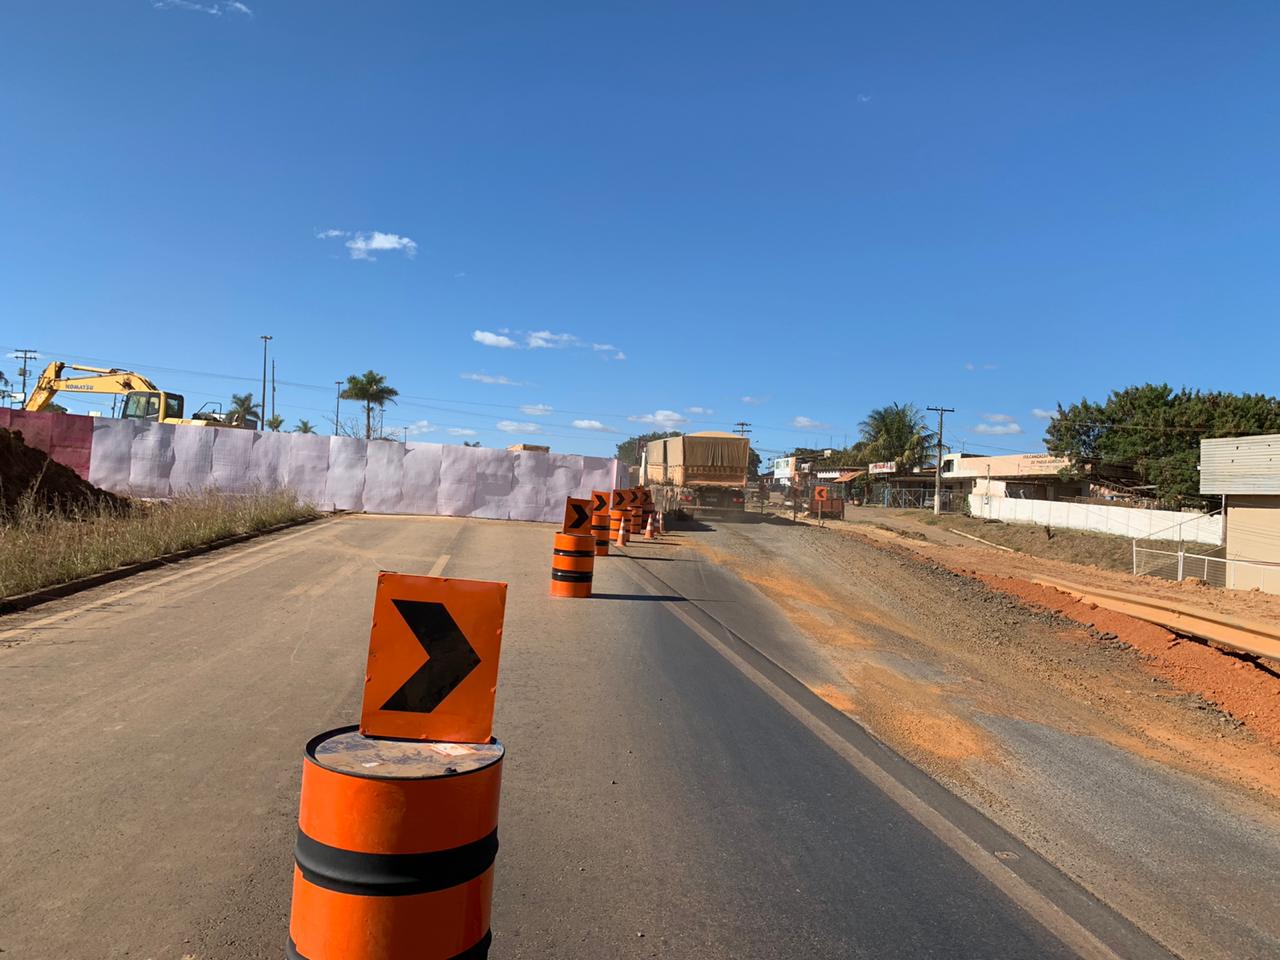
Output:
x=536 y=410
x=493 y=339
x=511 y=426
x=997 y=429
x=971 y=366
x=609 y=348
x=593 y=425
x=997 y=418
x=702 y=410
x=805 y=423
x=460 y=432
x=214 y=7
x=1042 y=414
x=754 y=401
x=546 y=340
x=363 y=245
x=421 y=426
x=666 y=419
x=491 y=378
x=864 y=98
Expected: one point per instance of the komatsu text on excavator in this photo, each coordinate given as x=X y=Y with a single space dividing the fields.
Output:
x=143 y=400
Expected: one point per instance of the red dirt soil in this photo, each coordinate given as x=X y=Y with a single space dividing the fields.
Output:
x=57 y=488
x=1248 y=692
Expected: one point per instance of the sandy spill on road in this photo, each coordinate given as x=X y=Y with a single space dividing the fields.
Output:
x=1072 y=689
x=1240 y=687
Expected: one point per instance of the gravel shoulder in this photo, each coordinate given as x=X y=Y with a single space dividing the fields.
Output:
x=1067 y=734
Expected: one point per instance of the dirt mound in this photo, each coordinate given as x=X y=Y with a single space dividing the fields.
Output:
x=25 y=470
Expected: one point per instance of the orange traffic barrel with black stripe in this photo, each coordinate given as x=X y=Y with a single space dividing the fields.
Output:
x=600 y=530
x=395 y=852
x=636 y=521
x=572 y=563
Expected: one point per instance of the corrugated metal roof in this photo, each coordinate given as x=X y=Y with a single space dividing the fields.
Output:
x=1240 y=464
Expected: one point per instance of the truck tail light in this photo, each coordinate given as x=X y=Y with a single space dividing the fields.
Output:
x=686 y=498
x=738 y=500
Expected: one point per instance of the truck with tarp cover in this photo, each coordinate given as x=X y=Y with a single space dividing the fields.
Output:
x=699 y=473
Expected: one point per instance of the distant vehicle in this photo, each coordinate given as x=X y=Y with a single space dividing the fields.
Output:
x=143 y=400
x=699 y=474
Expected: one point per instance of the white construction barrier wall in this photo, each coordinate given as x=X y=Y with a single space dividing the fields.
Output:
x=376 y=476
x=1119 y=521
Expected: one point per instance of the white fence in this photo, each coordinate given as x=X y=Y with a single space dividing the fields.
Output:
x=1120 y=521
x=1216 y=571
x=139 y=459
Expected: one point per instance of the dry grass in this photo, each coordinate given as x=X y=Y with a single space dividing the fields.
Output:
x=1075 y=546
x=39 y=547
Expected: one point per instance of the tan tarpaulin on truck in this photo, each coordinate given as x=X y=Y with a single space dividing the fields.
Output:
x=719 y=458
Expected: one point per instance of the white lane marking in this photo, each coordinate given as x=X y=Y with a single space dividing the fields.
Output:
x=189 y=574
x=1044 y=911
x=438 y=567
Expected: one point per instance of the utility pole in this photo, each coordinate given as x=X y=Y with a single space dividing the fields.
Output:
x=742 y=428
x=262 y=400
x=24 y=355
x=337 y=404
x=937 y=469
x=273 y=388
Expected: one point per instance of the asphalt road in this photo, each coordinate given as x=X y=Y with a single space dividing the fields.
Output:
x=669 y=791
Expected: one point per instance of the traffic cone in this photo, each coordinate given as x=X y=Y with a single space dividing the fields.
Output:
x=648 y=528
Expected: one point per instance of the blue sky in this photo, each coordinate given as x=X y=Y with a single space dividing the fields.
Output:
x=821 y=207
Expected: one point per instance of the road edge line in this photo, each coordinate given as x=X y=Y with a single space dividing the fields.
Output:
x=1037 y=905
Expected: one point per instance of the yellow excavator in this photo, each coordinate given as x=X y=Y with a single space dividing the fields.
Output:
x=143 y=400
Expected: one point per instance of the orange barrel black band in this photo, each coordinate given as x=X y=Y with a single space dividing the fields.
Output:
x=573 y=562
x=395 y=851
x=635 y=521
x=600 y=530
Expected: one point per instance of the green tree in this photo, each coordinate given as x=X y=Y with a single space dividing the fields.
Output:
x=275 y=422
x=370 y=389
x=471 y=443
x=304 y=426
x=1156 y=432
x=629 y=449
x=753 y=465
x=242 y=407
x=898 y=432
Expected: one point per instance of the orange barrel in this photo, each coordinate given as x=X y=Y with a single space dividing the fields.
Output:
x=617 y=522
x=600 y=530
x=396 y=843
x=636 y=521
x=572 y=562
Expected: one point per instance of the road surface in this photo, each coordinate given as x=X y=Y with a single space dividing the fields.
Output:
x=669 y=791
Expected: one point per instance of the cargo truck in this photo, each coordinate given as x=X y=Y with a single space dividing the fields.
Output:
x=699 y=474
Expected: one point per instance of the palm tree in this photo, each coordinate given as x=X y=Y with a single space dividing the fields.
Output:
x=304 y=426
x=370 y=389
x=243 y=409
x=898 y=432
x=275 y=422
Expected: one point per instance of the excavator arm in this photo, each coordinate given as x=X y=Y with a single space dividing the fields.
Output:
x=103 y=380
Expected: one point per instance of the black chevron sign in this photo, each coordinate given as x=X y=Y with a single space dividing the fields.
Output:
x=577 y=515
x=450 y=658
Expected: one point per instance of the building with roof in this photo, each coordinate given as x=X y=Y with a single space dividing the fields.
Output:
x=1245 y=472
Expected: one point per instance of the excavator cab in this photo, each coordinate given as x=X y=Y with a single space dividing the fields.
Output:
x=149 y=405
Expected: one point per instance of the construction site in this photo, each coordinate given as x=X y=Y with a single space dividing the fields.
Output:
x=1090 y=742
x=562 y=481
